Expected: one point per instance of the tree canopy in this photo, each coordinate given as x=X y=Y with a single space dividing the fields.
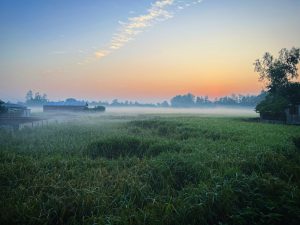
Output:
x=37 y=99
x=2 y=108
x=279 y=73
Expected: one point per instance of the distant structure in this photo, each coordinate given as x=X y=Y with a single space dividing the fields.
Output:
x=73 y=106
x=12 y=115
x=14 y=110
x=291 y=115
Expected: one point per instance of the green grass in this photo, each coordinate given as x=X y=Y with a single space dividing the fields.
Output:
x=156 y=170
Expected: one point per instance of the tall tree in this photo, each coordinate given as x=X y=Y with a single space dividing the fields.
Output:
x=278 y=71
x=29 y=96
x=35 y=99
x=2 y=108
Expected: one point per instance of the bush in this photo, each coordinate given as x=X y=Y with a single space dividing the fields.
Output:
x=98 y=108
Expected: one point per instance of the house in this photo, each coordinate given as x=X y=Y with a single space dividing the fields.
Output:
x=73 y=106
x=293 y=114
x=14 y=110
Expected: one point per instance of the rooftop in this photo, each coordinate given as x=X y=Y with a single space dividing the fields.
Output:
x=15 y=106
x=66 y=104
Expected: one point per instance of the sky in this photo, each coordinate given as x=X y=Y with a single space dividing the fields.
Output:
x=146 y=50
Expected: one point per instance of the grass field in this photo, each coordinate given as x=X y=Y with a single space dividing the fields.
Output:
x=151 y=169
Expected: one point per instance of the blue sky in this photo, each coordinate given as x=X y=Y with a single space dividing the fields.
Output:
x=49 y=44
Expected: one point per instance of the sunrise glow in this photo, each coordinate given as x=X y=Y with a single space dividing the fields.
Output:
x=140 y=50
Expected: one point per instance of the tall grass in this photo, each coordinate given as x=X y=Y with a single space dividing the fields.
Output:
x=169 y=170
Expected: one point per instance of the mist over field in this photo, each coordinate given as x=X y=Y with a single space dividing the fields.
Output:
x=221 y=111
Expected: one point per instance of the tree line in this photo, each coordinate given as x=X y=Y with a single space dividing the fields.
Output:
x=35 y=99
x=179 y=101
x=189 y=100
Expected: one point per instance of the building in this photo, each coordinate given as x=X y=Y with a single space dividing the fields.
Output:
x=293 y=114
x=14 y=110
x=73 y=106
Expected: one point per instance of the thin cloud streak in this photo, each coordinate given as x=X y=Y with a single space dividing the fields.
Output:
x=159 y=11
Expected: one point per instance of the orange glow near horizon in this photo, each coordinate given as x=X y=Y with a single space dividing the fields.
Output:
x=153 y=83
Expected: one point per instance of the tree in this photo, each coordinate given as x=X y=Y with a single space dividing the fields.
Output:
x=202 y=101
x=44 y=97
x=38 y=98
x=292 y=93
x=187 y=100
x=2 y=107
x=71 y=100
x=278 y=71
x=115 y=102
x=273 y=106
x=29 y=96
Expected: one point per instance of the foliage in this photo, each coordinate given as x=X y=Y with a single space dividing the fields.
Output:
x=164 y=104
x=2 y=108
x=278 y=72
x=282 y=92
x=117 y=103
x=37 y=99
x=274 y=106
x=291 y=92
x=99 y=108
x=164 y=170
x=275 y=103
x=187 y=100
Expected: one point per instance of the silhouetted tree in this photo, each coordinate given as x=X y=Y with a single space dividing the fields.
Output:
x=187 y=100
x=227 y=100
x=74 y=100
x=29 y=95
x=278 y=72
x=2 y=108
x=38 y=98
x=163 y=104
x=202 y=101
x=115 y=102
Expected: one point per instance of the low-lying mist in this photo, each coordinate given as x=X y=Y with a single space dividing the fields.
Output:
x=217 y=111
x=126 y=114
x=226 y=111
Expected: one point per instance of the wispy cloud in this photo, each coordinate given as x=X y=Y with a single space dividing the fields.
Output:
x=159 y=11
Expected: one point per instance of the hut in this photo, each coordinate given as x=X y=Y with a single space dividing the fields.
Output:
x=14 y=110
x=293 y=114
x=73 y=106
